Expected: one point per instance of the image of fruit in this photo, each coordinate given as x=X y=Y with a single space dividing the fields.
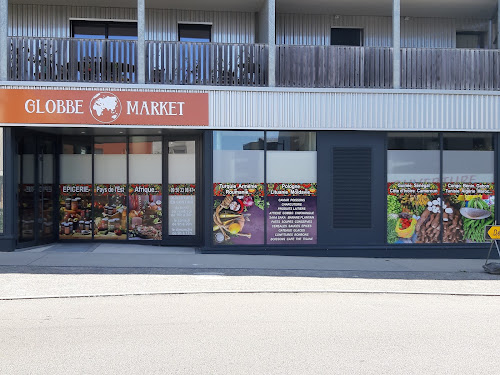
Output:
x=234 y=228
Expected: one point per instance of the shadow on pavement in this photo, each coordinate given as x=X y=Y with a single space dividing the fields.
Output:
x=344 y=274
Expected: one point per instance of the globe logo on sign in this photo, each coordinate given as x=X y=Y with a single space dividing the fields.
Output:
x=105 y=107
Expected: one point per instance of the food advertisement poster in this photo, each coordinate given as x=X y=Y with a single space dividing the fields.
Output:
x=238 y=214
x=110 y=211
x=75 y=208
x=414 y=212
x=181 y=209
x=292 y=213
x=145 y=215
x=471 y=206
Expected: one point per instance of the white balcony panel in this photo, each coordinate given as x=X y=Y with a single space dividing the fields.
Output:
x=331 y=109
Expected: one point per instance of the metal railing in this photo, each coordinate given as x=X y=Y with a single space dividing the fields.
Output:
x=72 y=60
x=333 y=66
x=450 y=69
x=216 y=64
x=182 y=63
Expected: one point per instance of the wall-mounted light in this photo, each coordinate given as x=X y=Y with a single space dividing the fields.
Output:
x=337 y=16
x=406 y=18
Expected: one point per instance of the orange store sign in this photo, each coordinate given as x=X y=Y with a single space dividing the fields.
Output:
x=103 y=107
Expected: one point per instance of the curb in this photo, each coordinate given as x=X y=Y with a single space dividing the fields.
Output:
x=199 y=292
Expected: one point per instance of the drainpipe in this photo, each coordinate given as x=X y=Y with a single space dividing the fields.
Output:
x=4 y=29
x=396 y=44
x=141 y=43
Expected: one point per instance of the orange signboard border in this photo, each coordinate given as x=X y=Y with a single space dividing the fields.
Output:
x=90 y=107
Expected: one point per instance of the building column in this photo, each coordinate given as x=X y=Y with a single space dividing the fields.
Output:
x=498 y=25
x=141 y=41
x=272 y=41
x=266 y=33
x=396 y=44
x=4 y=30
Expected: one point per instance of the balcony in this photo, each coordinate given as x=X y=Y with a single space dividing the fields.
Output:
x=371 y=67
x=72 y=60
x=214 y=64
x=223 y=64
x=333 y=66
x=115 y=61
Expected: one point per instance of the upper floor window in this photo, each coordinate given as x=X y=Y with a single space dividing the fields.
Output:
x=104 y=30
x=195 y=32
x=471 y=39
x=346 y=37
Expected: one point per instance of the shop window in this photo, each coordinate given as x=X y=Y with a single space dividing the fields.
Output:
x=413 y=183
x=181 y=188
x=276 y=207
x=197 y=33
x=110 y=183
x=1 y=183
x=346 y=37
x=75 y=188
x=291 y=178
x=238 y=177
x=145 y=188
x=468 y=186
x=428 y=205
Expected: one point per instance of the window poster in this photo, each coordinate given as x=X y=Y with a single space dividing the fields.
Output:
x=292 y=213
x=238 y=214
x=181 y=209
x=470 y=206
x=146 y=214
x=110 y=212
x=414 y=212
x=75 y=207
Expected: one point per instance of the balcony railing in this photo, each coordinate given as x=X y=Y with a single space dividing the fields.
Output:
x=333 y=66
x=213 y=64
x=450 y=69
x=72 y=60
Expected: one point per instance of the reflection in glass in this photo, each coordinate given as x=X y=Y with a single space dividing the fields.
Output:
x=26 y=188
x=413 y=189
x=145 y=190
x=1 y=183
x=291 y=183
x=110 y=183
x=75 y=198
x=468 y=186
x=238 y=176
x=181 y=188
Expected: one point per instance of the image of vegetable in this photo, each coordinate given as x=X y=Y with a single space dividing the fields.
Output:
x=238 y=214
x=453 y=217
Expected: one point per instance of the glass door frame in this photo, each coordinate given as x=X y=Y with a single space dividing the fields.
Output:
x=38 y=140
x=191 y=240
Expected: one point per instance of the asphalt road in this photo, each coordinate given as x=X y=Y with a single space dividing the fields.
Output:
x=272 y=333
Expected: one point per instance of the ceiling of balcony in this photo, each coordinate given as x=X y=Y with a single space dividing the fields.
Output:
x=233 y=5
x=412 y=8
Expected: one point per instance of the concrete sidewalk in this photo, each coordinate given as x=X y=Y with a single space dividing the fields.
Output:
x=83 y=270
x=146 y=256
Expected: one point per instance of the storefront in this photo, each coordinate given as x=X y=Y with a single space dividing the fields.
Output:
x=151 y=167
